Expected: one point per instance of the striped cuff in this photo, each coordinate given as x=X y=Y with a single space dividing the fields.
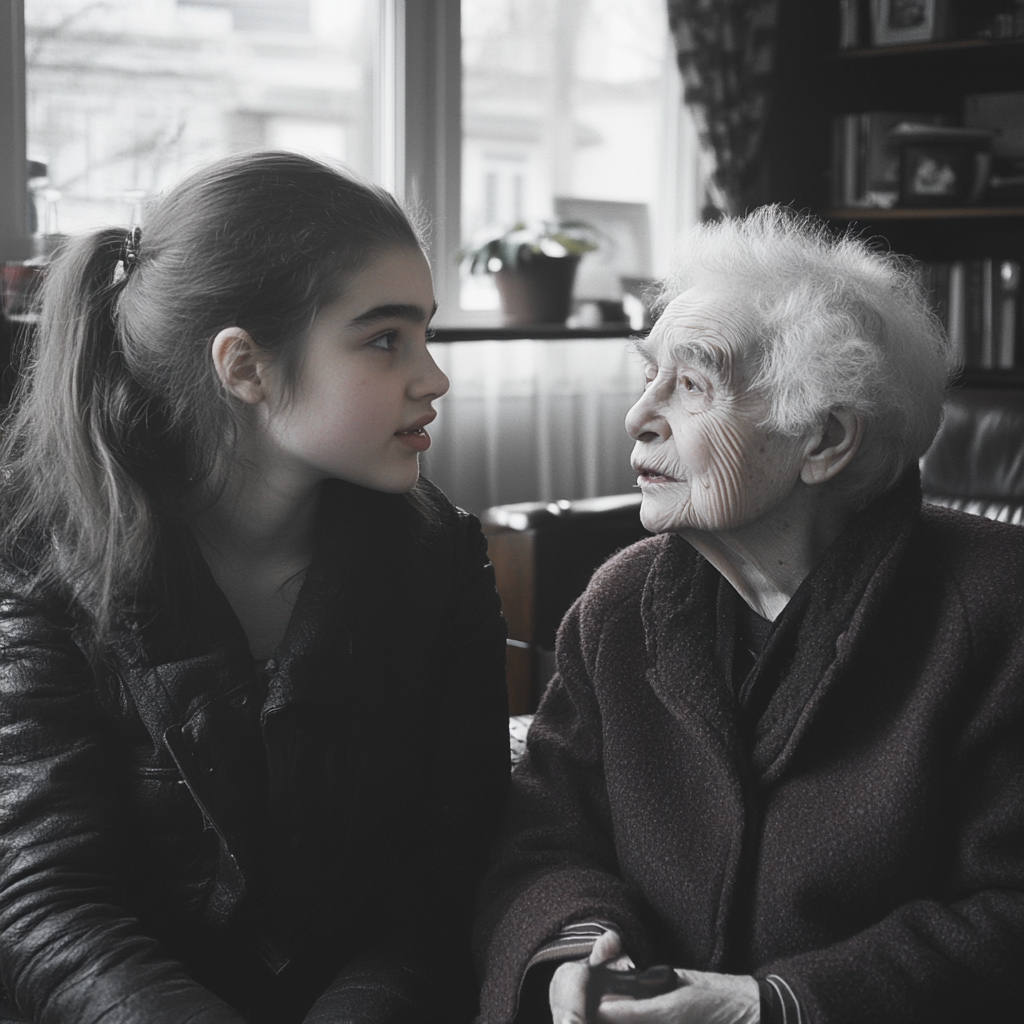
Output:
x=779 y=1004
x=574 y=942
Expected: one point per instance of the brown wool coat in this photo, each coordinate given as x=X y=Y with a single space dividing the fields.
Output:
x=866 y=844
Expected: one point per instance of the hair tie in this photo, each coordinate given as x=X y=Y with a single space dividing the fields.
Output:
x=130 y=251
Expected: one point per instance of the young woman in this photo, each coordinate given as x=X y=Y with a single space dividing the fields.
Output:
x=253 y=735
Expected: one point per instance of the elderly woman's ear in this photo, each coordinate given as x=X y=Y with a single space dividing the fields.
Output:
x=833 y=447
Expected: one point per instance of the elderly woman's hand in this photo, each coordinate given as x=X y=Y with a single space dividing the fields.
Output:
x=702 y=998
x=568 y=991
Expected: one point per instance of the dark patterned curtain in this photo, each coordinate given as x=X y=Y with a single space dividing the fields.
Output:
x=726 y=54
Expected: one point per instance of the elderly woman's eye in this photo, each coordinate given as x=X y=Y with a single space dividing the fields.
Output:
x=688 y=383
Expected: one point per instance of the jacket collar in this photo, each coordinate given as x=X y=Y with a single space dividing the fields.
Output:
x=810 y=648
x=190 y=622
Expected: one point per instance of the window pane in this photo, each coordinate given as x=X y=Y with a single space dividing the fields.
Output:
x=564 y=113
x=126 y=96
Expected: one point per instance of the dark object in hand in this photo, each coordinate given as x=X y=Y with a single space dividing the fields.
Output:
x=655 y=981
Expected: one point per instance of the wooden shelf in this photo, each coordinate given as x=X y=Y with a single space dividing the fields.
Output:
x=817 y=82
x=941 y=46
x=924 y=213
x=973 y=377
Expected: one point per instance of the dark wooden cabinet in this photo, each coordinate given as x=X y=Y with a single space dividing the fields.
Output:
x=817 y=82
x=931 y=78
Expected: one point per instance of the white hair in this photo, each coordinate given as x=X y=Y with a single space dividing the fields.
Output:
x=838 y=323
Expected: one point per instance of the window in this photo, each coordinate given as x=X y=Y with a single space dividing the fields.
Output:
x=561 y=102
x=126 y=96
x=572 y=108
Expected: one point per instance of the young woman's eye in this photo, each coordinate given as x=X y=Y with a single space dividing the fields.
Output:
x=430 y=333
x=385 y=342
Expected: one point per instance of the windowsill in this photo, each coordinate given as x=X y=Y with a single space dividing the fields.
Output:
x=533 y=332
x=518 y=332
x=923 y=212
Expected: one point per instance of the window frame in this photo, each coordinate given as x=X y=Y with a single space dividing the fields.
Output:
x=421 y=132
x=14 y=239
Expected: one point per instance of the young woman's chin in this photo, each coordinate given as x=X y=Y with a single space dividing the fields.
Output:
x=391 y=483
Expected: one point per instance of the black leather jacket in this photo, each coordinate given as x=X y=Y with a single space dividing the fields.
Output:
x=183 y=838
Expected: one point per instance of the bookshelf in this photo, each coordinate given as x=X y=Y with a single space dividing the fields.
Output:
x=945 y=46
x=818 y=82
x=933 y=213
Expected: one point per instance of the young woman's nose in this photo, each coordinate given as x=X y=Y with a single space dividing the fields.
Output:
x=430 y=380
x=645 y=422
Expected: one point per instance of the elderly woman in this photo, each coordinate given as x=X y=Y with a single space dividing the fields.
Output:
x=784 y=750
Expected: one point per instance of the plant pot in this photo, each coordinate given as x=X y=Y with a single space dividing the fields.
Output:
x=538 y=292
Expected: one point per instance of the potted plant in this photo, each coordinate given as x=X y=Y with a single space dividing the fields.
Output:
x=534 y=266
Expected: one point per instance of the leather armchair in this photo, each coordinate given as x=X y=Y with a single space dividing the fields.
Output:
x=544 y=555
x=976 y=462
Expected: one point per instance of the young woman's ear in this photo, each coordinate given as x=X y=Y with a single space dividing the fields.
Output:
x=239 y=363
x=834 y=447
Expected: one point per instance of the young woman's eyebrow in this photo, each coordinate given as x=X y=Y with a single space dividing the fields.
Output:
x=392 y=311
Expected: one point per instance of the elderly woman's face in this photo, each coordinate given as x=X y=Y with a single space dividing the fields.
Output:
x=703 y=462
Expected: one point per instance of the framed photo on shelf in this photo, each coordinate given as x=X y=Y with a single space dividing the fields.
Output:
x=936 y=175
x=896 y=22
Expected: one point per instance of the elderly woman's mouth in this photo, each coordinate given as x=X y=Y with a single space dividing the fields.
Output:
x=648 y=475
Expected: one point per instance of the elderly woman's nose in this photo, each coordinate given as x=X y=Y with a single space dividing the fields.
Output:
x=644 y=421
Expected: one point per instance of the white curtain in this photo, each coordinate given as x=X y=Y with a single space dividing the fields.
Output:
x=533 y=420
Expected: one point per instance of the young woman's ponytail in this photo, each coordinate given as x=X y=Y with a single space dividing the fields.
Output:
x=72 y=508
x=121 y=414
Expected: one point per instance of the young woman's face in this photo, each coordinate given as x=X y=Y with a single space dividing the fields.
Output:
x=365 y=383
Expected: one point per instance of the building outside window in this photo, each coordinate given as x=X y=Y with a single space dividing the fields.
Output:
x=124 y=97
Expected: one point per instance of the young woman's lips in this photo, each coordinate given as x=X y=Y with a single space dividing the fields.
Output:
x=416 y=440
x=415 y=436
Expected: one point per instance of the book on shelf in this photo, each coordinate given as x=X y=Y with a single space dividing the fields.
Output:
x=980 y=305
x=866 y=159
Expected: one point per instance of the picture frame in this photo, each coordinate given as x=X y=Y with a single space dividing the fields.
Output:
x=936 y=175
x=899 y=22
x=942 y=165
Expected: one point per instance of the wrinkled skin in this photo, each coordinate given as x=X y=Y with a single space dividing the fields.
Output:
x=704 y=461
x=759 y=505
x=702 y=998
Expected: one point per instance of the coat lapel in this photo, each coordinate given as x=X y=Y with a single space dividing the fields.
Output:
x=678 y=613
x=814 y=645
